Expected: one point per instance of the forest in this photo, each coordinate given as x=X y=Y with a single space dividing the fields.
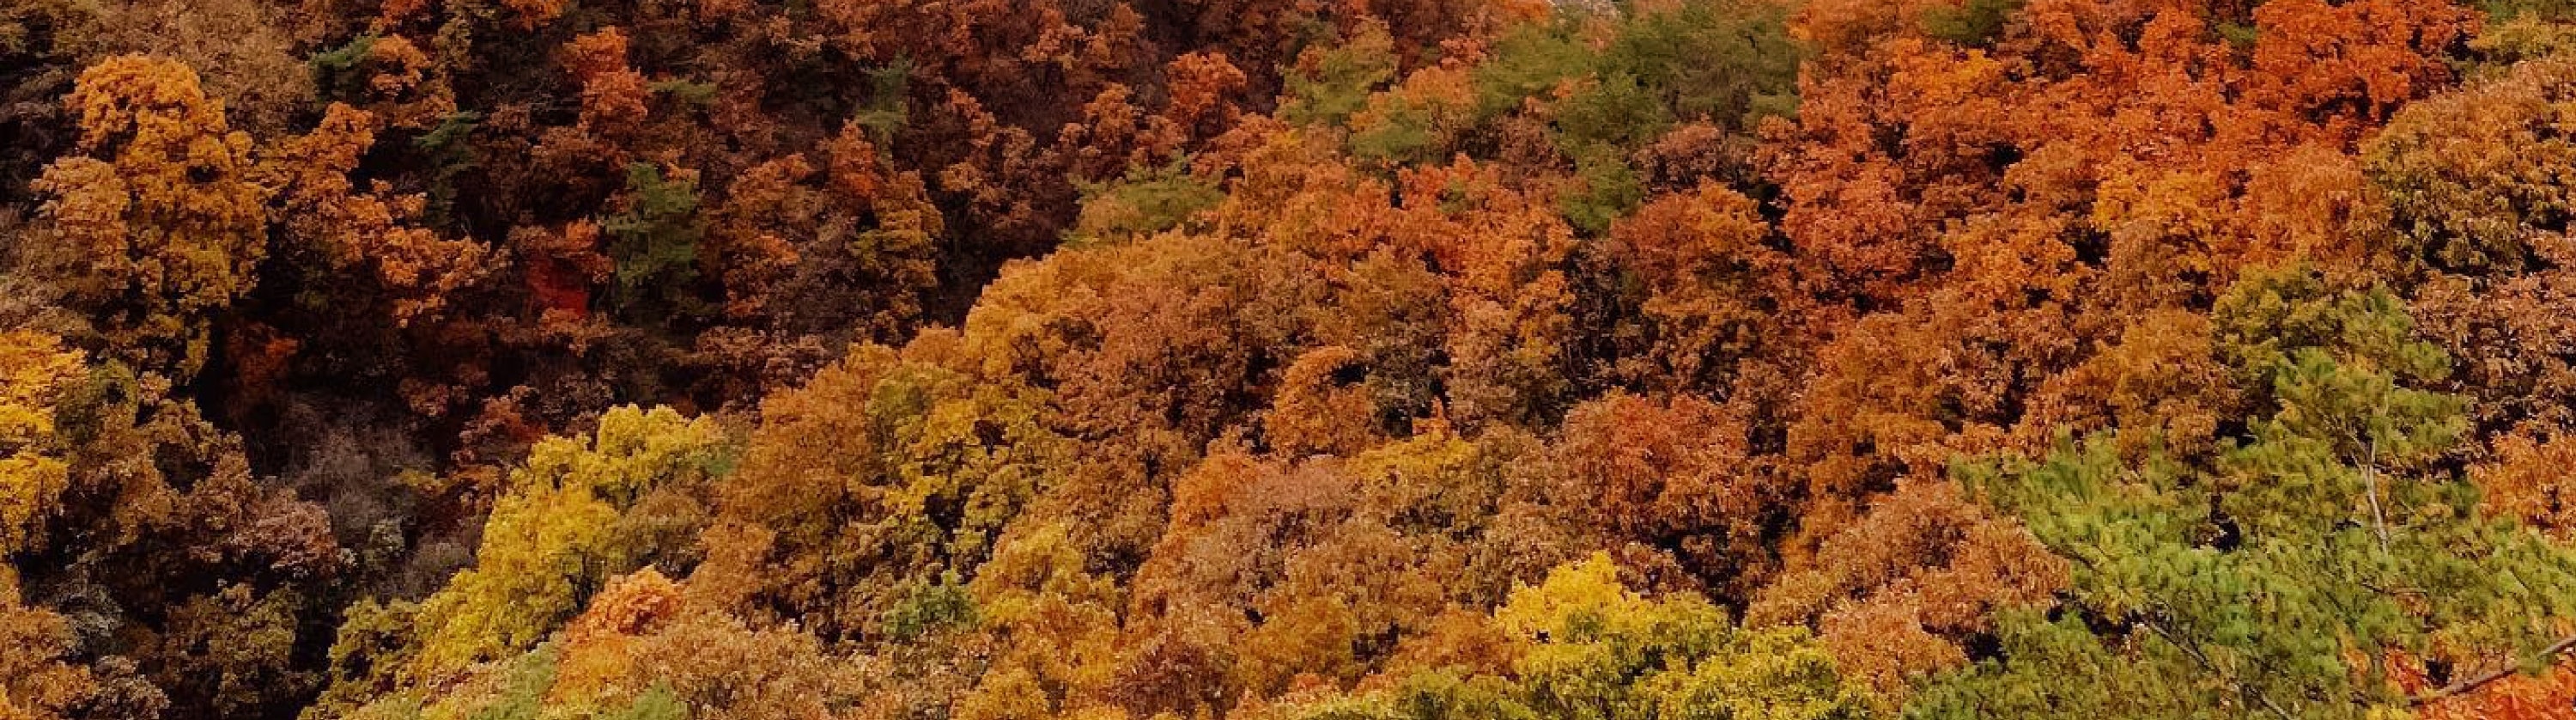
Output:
x=1287 y=359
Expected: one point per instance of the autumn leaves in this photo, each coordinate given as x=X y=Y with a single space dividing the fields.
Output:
x=1664 y=359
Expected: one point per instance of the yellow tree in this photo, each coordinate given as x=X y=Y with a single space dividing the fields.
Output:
x=580 y=511
x=155 y=224
x=34 y=682
x=881 y=482
x=34 y=368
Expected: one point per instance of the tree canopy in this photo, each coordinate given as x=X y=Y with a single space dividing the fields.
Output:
x=1347 y=359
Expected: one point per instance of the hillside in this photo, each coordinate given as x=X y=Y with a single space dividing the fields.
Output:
x=1287 y=360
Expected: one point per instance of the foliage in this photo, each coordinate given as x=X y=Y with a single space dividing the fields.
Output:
x=579 y=511
x=654 y=243
x=1587 y=647
x=1973 y=22
x=154 y=225
x=2281 y=582
x=1332 y=84
x=1145 y=202
x=1117 y=360
x=32 y=476
x=40 y=685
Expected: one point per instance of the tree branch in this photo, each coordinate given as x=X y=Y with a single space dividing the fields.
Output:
x=2472 y=684
x=2370 y=477
x=2205 y=663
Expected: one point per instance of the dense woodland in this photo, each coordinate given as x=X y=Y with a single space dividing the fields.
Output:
x=1287 y=359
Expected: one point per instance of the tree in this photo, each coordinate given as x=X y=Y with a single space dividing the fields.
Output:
x=333 y=228
x=2482 y=231
x=1675 y=475
x=232 y=652
x=1053 y=627
x=1330 y=84
x=1593 y=649
x=1504 y=258
x=653 y=242
x=33 y=474
x=1902 y=594
x=2525 y=483
x=156 y=225
x=1319 y=409
x=1713 y=294
x=881 y=475
x=35 y=682
x=142 y=525
x=1276 y=575
x=578 y=512
x=1584 y=646
x=644 y=650
x=2161 y=383
x=44 y=51
x=245 y=53
x=2280 y=582
x=838 y=247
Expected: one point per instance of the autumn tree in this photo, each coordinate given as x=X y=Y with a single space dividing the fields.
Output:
x=1675 y=475
x=33 y=475
x=1052 y=626
x=39 y=684
x=332 y=227
x=32 y=479
x=839 y=246
x=579 y=511
x=156 y=225
x=2487 y=238
x=641 y=649
x=44 y=53
x=1703 y=300
x=1273 y=571
x=1584 y=646
x=245 y=53
x=1902 y=594
x=1593 y=648
x=118 y=490
x=1353 y=359
x=882 y=477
